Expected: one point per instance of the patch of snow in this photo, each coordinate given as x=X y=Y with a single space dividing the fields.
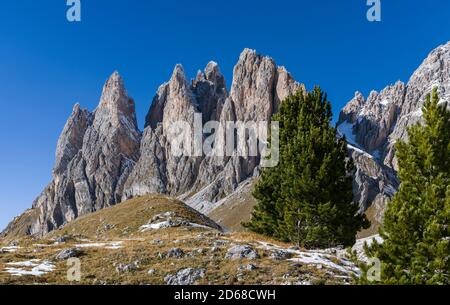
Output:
x=44 y=245
x=417 y=113
x=346 y=129
x=359 y=246
x=196 y=225
x=318 y=258
x=110 y=245
x=30 y=263
x=384 y=102
x=10 y=249
x=168 y=224
x=359 y=150
x=115 y=245
x=155 y=226
x=38 y=268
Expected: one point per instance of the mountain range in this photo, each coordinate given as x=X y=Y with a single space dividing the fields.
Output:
x=102 y=158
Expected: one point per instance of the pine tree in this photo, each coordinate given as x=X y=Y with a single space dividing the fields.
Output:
x=308 y=197
x=416 y=232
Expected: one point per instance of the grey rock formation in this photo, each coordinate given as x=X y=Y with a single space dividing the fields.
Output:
x=127 y=268
x=281 y=255
x=257 y=89
x=67 y=253
x=373 y=126
x=188 y=276
x=102 y=158
x=241 y=252
x=94 y=157
x=175 y=253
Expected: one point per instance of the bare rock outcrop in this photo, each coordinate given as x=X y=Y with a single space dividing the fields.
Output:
x=94 y=157
x=257 y=89
x=372 y=126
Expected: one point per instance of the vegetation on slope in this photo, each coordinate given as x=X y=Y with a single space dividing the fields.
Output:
x=115 y=246
x=308 y=197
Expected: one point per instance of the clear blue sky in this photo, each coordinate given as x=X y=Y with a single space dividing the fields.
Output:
x=47 y=64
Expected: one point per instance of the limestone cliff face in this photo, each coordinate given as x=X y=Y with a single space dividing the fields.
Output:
x=258 y=87
x=94 y=156
x=375 y=124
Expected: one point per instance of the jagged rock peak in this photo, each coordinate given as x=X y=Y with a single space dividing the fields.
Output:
x=113 y=91
x=178 y=82
x=178 y=99
x=213 y=75
x=259 y=86
x=246 y=53
x=115 y=106
x=375 y=124
x=70 y=141
x=212 y=71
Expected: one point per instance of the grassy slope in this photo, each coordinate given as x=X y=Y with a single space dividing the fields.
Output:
x=127 y=217
x=200 y=245
x=236 y=209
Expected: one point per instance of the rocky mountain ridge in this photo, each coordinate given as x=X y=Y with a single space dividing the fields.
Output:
x=103 y=158
x=374 y=124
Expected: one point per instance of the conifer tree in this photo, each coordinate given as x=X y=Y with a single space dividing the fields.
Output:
x=308 y=198
x=416 y=232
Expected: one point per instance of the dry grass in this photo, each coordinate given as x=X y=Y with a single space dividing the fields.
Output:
x=374 y=224
x=20 y=225
x=125 y=219
x=201 y=248
x=237 y=209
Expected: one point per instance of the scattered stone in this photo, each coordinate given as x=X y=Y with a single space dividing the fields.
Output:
x=186 y=276
x=67 y=253
x=241 y=252
x=62 y=239
x=280 y=255
x=108 y=227
x=220 y=243
x=249 y=267
x=151 y=272
x=157 y=242
x=240 y=277
x=163 y=216
x=125 y=268
x=175 y=253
